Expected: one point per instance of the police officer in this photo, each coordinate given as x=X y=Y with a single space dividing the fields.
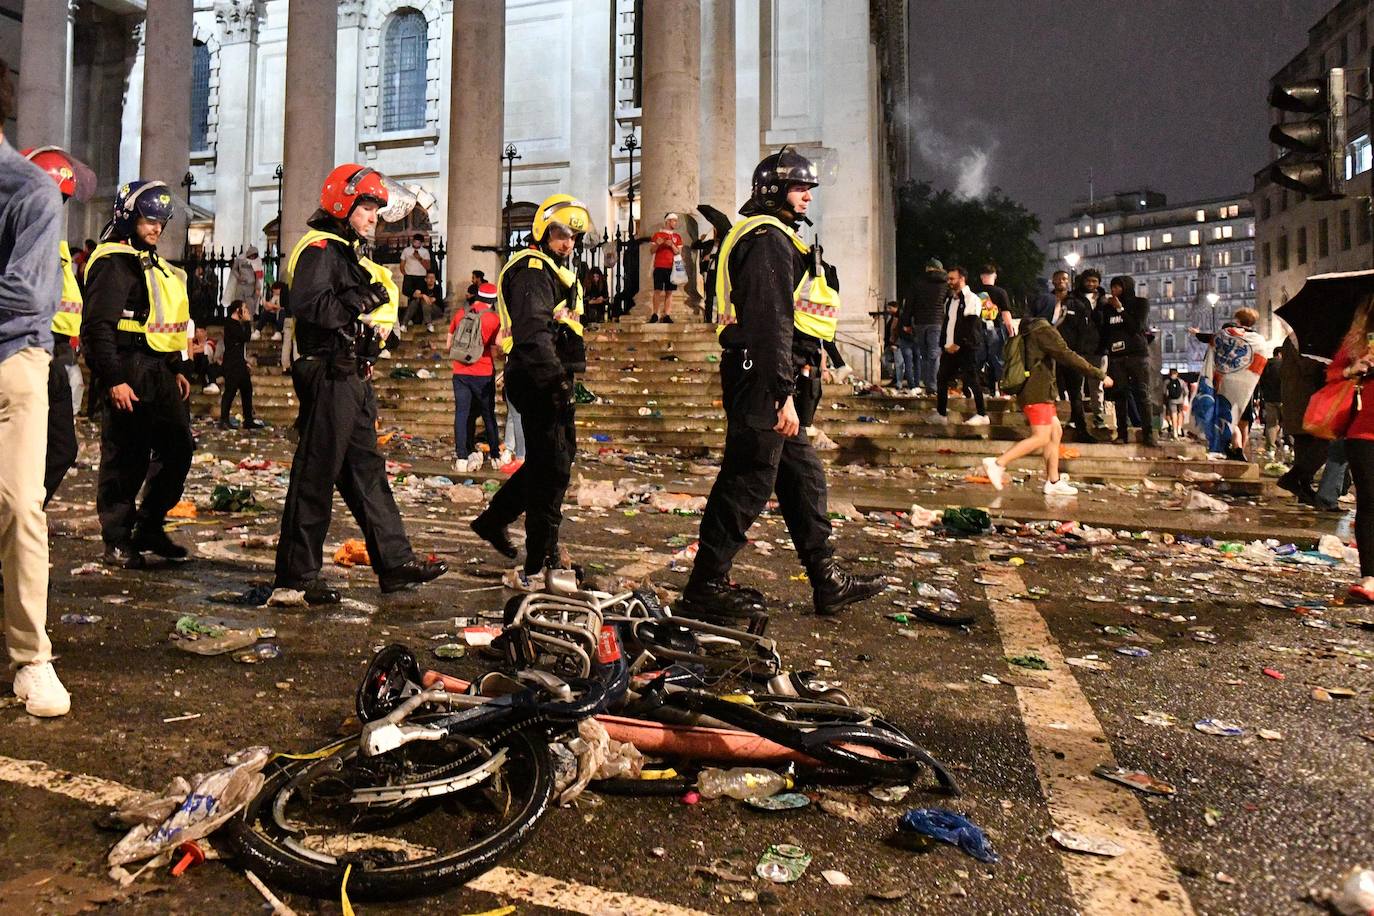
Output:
x=134 y=329
x=539 y=301
x=775 y=311
x=343 y=304
x=73 y=180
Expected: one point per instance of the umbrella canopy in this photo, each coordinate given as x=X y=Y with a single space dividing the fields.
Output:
x=1323 y=309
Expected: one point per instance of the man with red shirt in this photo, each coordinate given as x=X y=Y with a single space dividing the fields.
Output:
x=474 y=373
x=667 y=245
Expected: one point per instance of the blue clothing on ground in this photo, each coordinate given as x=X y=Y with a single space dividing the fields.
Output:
x=30 y=271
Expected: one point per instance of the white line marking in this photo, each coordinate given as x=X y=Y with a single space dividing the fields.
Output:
x=1142 y=880
x=511 y=883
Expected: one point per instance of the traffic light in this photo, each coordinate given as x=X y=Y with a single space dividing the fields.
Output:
x=1315 y=161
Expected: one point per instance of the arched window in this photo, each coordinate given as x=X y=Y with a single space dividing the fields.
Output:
x=200 y=96
x=404 y=45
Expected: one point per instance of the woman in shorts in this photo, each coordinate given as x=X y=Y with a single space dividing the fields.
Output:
x=1045 y=350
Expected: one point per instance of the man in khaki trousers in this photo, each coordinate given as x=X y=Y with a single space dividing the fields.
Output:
x=30 y=287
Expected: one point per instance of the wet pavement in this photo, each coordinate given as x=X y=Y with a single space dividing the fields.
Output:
x=1258 y=821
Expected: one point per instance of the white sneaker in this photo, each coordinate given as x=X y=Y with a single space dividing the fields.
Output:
x=1060 y=487
x=977 y=420
x=277 y=336
x=997 y=475
x=429 y=328
x=43 y=694
x=474 y=461
x=211 y=388
x=256 y=335
x=385 y=354
x=495 y=462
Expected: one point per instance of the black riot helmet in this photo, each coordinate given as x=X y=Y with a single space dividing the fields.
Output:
x=775 y=175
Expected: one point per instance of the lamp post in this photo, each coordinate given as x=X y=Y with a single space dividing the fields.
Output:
x=1212 y=300
x=1072 y=259
x=511 y=154
x=187 y=181
x=629 y=146
x=278 y=173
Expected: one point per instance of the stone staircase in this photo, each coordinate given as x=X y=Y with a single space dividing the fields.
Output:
x=659 y=391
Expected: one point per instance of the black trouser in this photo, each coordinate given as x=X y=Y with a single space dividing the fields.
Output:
x=536 y=490
x=960 y=365
x=337 y=448
x=1131 y=382
x=1360 y=453
x=237 y=380
x=1071 y=384
x=1309 y=455
x=758 y=463
x=151 y=444
x=61 y=422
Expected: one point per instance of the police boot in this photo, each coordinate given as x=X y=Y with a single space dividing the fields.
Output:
x=152 y=538
x=833 y=590
x=494 y=535
x=409 y=575
x=123 y=556
x=718 y=600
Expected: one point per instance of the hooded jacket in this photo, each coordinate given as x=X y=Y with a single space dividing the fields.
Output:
x=927 y=298
x=1077 y=326
x=1122 y=332
x=1046 y=349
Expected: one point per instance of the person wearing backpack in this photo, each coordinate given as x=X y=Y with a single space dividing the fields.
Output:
x=1032 y=359
x=470 y=344
x=1175 y=396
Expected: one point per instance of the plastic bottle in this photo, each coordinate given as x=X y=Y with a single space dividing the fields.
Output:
x=1356 y=896
x=742 y=782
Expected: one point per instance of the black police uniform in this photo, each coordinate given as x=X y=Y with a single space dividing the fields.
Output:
x=539 y=382
x=763 y=354
x=338 y=416
x=62 y=447
x=151 y=444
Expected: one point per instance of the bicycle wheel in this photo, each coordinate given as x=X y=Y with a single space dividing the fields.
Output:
x=419 y=819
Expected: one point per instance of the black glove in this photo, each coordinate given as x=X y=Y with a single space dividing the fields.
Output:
x=377 y=291
x=563 y=393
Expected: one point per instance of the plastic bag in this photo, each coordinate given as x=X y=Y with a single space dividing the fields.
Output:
x=598 y=494
x=599 y=756
x=187 y=810
x=679 y=274
x=352 y=552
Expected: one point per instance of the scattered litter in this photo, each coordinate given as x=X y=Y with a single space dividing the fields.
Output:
x=226 y=498
x=1030 y=660
x=782 y=863
x=287 y=597
x=352 y=552
x=1356 y=896
x=1135 y=779
x=1269 y=734
x=836 y=878
x=889 y=794
x=783 y=801
x=1199 y=501
x=1133 y=651
x=923 y=518
x=1219 y=727
x=1092 y=664
x=1081 y=842
x=1155 y=717
x=450 y=650
x=183 y=509
x=949 y=827
x=81 y=618
x=262 y=652
x=90 y=569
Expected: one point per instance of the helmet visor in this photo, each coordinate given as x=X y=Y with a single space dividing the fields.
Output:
x=401 y=199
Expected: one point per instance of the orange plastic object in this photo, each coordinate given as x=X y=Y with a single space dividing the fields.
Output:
x=352 y=552
x=191 y=854
x=183 y=509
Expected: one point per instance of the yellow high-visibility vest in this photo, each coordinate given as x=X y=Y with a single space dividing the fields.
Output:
x=384 y=317
x=169 y=308
x=569 y=315
x=815 y=306
x=67 y=319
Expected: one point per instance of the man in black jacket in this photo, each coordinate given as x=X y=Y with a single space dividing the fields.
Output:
x=961 y=337
x=1123 y=318
x=770 y=381
x=539 y=301
x=921 y=322
x=1079 y=329
x=336 y=300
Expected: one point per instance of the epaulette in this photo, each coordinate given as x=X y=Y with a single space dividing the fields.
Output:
x=535 y=263
x=320 y=243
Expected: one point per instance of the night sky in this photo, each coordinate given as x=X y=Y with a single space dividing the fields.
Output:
x=1032 y=96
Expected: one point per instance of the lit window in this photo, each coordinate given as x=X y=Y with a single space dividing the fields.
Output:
x=1250 y=282
x=1167 y=238
x=1202 y=216
x=1101 y=228
x=1250 y=229
x=1216 y=232
x=1169 y=293
x=405 y=48
x=1224 y=258
x=1142 y=243
x=1227 y=232
x=1357 y=156
x=1075 y=232
x=1233 y=211
x=1194 y=237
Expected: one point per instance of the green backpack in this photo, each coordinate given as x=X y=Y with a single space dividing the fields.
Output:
x=1015 y=364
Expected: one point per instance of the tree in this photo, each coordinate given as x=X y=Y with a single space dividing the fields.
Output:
x=968 y=232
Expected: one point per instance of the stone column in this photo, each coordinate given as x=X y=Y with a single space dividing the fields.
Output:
x=45 y=69
x=238 y=54
x=476 y=130
x=718 y=104
x=308 y=147
x=670 y=121
x=352 y=19
x=748 y=72
x=165 y=153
